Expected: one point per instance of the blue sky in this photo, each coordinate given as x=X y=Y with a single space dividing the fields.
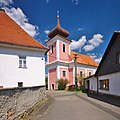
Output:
x=91 y=23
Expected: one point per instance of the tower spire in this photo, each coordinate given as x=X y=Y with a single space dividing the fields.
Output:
x=58 y=18
x=58 y=29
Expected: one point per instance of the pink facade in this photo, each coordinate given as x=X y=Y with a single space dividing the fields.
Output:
x=89 y=71
x=60 y=68
x=64 y=56
x=81 y=70
x=52 y=54
x=70 y=70
x=61 y=73
x=53 y=78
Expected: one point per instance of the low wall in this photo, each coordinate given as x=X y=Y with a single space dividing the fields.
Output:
x=16 y=101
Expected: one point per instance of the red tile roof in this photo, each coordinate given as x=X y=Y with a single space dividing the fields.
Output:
x=84 y=59
x=12 y=33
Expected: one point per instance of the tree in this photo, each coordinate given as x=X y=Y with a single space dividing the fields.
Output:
x=62 y=83
x=80 y=79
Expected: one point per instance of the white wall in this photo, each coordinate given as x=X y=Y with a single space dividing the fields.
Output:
x=93 y=83
x=114 y=83
x=11 y=74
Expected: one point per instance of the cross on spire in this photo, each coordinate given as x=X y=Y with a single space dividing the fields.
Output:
x=58 y=14
x=58 y=18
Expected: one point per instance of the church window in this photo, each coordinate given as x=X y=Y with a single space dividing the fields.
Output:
x=64 y=73
x=51 y=48
x=63 y=47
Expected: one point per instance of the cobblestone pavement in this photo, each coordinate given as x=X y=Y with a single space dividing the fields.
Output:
x=75 y=106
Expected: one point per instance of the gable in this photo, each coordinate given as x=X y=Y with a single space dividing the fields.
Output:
x=108 y=63
x=11 y=33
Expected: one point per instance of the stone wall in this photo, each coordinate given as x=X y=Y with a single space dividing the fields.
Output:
x=15 y=101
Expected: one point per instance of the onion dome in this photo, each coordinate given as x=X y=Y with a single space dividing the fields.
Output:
x=58 y=30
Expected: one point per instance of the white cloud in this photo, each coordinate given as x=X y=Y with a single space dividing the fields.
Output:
x=47 y=1
x=21 y=19
x=6 y=2
x=45 y=40
x=88 y=47
x=95 y=56
x=98 y=59
x=79 y=29
x=96 y=40
x=93 y=43
x=77 y=45
x=76 y=2
x=47 y=31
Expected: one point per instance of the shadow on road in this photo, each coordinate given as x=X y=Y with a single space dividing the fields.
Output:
x=105 y=98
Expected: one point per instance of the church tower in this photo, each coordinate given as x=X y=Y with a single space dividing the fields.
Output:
x=58 y=55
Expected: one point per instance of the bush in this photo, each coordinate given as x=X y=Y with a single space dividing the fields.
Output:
x=71 y=88
x=62 y=83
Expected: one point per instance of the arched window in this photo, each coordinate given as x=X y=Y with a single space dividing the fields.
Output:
x=63 y=47
x=51 y=48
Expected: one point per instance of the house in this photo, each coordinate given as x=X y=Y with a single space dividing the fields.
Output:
x=22 y=62
x=61 y=59
x=90 y=83
x=107 y=76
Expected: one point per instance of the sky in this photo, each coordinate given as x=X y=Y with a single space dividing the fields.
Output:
x=91 y=23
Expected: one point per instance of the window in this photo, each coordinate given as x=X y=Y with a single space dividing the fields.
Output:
x=81 y=73
x=118 y=58
x=104 y=84
x=20 y=84
x=64 y=73
x=90 y=73
x=63 y=47
x=22 y=62
x=51 y=48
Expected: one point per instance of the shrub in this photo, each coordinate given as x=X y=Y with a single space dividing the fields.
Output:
x=62 y=83
x=71 y=88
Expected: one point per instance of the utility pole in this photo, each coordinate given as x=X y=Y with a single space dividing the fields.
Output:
x=75 y=63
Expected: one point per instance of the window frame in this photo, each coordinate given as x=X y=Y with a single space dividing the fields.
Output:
x=20 y=84
x=64 y=73
x=22 y=62
x=51 y=49
x=104 y=84
x=89 y=73
x=81 y=73
x=64 y=47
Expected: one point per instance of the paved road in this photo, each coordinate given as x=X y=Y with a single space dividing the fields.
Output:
x=68 y=106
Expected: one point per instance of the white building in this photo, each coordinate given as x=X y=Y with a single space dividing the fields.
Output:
x=22 y=61
x=107 y=76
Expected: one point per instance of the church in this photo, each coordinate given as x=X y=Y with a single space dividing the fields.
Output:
x=60 y=59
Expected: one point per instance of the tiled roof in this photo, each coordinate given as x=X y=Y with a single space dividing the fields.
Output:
x=84 y=59
x=12 y=33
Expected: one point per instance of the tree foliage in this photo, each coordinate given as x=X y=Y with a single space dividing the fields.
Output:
x=62 y=83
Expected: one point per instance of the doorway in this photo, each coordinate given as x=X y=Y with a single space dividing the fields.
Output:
x=52 y=86
x=88 y=85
